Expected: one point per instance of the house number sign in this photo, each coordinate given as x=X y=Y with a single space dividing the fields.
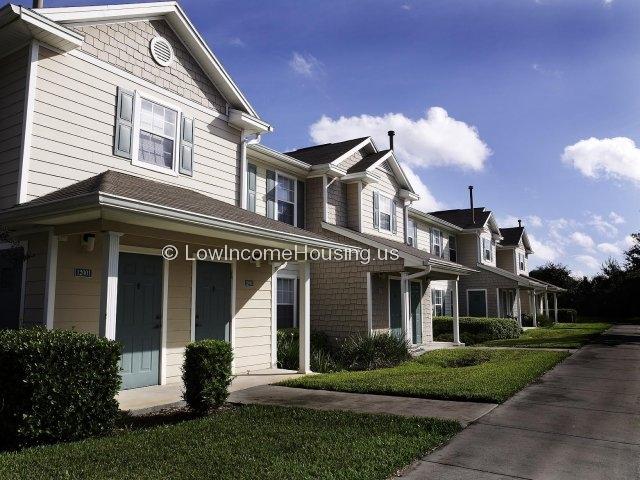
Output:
x=82 y=272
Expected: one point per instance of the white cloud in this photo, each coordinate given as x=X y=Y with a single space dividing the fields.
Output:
x=534 y=221
x=616 y=158
x=528 y=221
x=616 y=219
x=427 y=202
x=582 y=239
x=588 y=261
x=547 y=72
x=544 y=251
x=627 y=242
x=305 y=64
x=236 y=42
x=603 y=226
x=609 y=248
x=405 y=6
x=434 y=140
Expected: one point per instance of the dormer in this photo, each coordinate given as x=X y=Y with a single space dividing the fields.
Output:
x=514 y=250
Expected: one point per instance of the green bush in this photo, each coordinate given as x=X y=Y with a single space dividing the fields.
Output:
x=567 y=315
x=322 y=351
x=476 y=330
x=206 y=374
x=544 y=321
x=379 y=350
x=56 y=385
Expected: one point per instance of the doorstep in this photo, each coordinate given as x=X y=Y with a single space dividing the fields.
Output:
x=140 y=401
x=417 y=350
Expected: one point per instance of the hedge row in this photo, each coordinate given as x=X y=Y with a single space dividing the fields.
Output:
x=476 y=330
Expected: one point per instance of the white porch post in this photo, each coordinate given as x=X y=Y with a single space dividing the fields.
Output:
x=109 y=285
x=405 y=307
x=369 y=305
x=519 y=307
x=555 y=306
x=304 y=320
x=50 y=280
x=456 y=314
x=535 y=309
x=546 y=304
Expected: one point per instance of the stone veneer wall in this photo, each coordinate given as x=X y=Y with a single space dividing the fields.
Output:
x=126 y=46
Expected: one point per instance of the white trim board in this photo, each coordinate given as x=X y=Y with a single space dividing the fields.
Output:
x=27 y=122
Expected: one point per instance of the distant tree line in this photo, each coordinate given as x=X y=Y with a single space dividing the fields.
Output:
x=614 y=292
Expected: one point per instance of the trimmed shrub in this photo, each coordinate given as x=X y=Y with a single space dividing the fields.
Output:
x=56 y=385
x=544 y=321
x=476 y=330
x=322 y=352
x=206 y=374
x=379 y=350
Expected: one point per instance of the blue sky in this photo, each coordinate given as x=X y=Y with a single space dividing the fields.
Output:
x=482 y=92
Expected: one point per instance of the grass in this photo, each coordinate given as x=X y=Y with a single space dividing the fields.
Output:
x=242 y=443
x=560 y=335
x=477 y=374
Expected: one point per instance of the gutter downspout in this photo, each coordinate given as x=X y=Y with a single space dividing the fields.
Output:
x=244 y=141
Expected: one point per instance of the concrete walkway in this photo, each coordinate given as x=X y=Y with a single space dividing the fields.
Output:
x=580 y=421
x=463 y=412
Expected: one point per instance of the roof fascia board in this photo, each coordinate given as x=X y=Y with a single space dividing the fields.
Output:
x=431 y=219
x=399 y=172
x=276 y=158
x=327 y=169
x=366 y=177
x=347 y=154
x=36 y=23
x=248 y=123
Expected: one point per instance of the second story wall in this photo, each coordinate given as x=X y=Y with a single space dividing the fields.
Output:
x=386 y=187
x=505 y=259
x=486 y=239
x=13 y=80
x=337 y=213
x=468 y=249
x=74 y=124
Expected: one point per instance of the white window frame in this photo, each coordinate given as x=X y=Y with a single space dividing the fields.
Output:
x=411 y=228
x=382 y=198
x=522 y=262
x=441 y=304
x=440 y=244
x=483 y=250
x=135 y=144
x=295 y=295
x=295 y=197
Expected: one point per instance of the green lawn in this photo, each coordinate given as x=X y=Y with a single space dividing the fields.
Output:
x=560 y=335
x=457 y=374
x=242 y=443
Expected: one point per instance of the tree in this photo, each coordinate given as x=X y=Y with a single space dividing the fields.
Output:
x=560 y=276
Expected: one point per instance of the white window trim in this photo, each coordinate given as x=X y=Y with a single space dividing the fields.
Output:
x=295 y=196
x=295 y=295
x=382 y=196
x=433 y=306
x=433 y=243
x=491 y=258
x=412 y=226
x=135 y=144
x=486 y=303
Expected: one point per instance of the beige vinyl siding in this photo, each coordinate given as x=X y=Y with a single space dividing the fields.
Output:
x=424 y=237
x=521 y=250
x=336 y=202
x=261 y=182
x=13 y=80
x=506 y=259
x=468 y=249
x=73 y=131
x=388 y=187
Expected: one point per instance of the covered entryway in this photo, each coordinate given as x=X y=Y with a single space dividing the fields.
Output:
x=477 y=303
x=395 y=307
x=213 y=300
x=139 y=318
x=416 y=312
x=11 y=275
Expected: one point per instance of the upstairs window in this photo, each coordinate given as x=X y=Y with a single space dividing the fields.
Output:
x=412 y=233
x=453 y=249
x=487 y=251
x=158 y=131
x=286 y=199
x=522 y=262
x=436 y=242
x=386 y=209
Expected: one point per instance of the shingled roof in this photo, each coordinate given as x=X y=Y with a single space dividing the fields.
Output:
x=326 y=153
x=511 y=236
x=169 y=196
x=367 y=161
x=462 y=217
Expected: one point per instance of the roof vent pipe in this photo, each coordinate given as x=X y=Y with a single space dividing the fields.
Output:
x=473 y=212
x=391 y=134
x=519 y=223
x=38 y=3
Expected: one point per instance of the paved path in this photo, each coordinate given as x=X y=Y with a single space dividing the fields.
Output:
x=463 y=412
x=581 y=421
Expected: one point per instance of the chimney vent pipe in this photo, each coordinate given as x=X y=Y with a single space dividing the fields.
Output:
x=519 y=223
x=473 y=212
x=38 y=3
x=391 y=134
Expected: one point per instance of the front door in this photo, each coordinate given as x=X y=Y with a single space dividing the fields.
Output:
x=477 y=303
x=416 y=312
x=213 y=300
x=395 y=307
x=139 y=318
x=10 y=286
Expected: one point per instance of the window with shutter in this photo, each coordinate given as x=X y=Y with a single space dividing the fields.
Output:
x=251 y=187
x=186 y=146
x=124 y=123
x=376 y=210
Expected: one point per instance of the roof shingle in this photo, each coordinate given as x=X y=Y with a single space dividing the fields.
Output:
x=326 y=153
x=511 y=236
x=367 y=161
x=462 y=217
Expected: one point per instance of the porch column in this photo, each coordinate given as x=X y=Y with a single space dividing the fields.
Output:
x=545 y=304
x=405 y=308
x=456 y=315
x=535 y=309
x=109 y=285
x=519 y=307
x=555 y=306
x=50 y=280
x=369 y=305
x=304 y=317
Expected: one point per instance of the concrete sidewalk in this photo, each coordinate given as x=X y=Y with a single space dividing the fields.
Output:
x=463 y=412
x=580 y=421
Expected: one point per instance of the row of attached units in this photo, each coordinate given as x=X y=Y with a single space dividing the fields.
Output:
x=138 y=203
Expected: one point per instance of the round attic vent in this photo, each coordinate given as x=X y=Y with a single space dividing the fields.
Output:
x=161 y=51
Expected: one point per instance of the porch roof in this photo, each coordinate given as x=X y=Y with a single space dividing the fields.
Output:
x=121 y=191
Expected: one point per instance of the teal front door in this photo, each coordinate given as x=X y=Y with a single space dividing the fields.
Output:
x=477 y=303
x=213 y=300
x=139 y=318
x=416 y=312
x=395 y=307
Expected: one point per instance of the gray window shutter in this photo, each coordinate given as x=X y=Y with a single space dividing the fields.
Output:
x=124 y=124
x=430 y=240
x=376 y=210
x=186 y=146
x=271 y=194
x=394 y=223
x=301 y=204
x=415 y=234
x=251 y=187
